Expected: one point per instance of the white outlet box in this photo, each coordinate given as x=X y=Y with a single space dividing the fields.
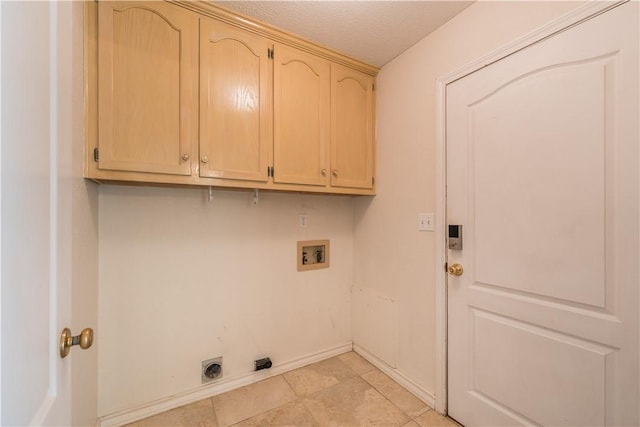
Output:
x=302 y=220
x=425 y=222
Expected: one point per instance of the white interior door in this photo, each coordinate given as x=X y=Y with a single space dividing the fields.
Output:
x=542 y=173
x=44 y=213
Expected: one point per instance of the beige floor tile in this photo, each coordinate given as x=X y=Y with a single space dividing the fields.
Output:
x=246 y=402
x=291 y=414
x=356 y=362
x=411 y=424
x=397 y=394
x=434 y=419
x=353 y=403
x=199 y=414
x=318 y=376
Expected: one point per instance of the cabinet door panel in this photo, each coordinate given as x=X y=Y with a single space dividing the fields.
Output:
x=234 y=110
x=301 y=114
x=147 y=87
x=352 y=128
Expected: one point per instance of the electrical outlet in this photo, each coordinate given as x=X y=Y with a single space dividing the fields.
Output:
x=302 y=219
x=211 y=369
x=425 y=222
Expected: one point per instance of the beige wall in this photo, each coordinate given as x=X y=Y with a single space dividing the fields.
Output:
x=182 y=281
x=84 y=218
x=394 y=263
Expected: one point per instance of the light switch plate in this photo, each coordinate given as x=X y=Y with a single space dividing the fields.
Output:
x=425 y=222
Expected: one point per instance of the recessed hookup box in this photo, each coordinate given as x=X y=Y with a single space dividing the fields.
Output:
x=313 y=255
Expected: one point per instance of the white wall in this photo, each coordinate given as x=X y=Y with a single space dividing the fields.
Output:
x=84 y=217
x=394 y=263
x=182 y=280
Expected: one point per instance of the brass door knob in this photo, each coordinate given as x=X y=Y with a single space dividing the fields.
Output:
x=324 y=172
x=84 y=340
x=204 y=159
x=335 y=173
x=455 y=270
x=185 y=157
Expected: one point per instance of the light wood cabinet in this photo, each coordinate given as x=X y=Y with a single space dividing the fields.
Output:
x=147 y=87
x=301 y=117
x=235 y=113
x=352 y=128
x=189 y=93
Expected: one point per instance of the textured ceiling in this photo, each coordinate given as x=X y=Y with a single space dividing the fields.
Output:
x=372 y=31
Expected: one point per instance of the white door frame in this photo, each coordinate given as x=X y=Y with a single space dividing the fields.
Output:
x=560 y=24
x=0 y=211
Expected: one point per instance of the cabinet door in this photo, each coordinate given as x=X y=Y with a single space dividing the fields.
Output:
x=147 y=87
x=235 y=121
x=301 y=117
x=352 y=128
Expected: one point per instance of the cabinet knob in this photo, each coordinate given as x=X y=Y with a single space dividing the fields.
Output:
x=335 y=173
x=324 y=172
x=185 y=157
x=204 y=159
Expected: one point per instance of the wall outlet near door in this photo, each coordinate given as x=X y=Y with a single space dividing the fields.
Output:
x=425 y=221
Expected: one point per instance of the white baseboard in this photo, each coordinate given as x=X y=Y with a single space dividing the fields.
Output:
x=226 y=384
x=425 y=395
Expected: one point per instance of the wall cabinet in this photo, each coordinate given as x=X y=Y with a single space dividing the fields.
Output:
x=189 y=93
x=301 y=117
x=352 y=128
x=147 y=62
x=235 y=113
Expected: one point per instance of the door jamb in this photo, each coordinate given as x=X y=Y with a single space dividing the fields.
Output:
x=558 y=25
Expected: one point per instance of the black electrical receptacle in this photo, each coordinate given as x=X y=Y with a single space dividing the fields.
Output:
x=263 y=364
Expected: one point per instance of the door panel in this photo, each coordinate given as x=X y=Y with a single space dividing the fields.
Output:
x=234 y=109
x=301 y=117
x=352 y=126
x=47 y=219
x=542 y=172
x=543 y=358
x=147 y=56
x=27 y=315
x=544 y=215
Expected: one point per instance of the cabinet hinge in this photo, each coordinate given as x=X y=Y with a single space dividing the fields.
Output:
x=446 y=266
x=373 y=181
x=96 y=154
x=270 y=53
x=373 y=87
x=269 y=171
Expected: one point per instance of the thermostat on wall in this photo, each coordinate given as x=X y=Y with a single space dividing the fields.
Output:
x=313 y=255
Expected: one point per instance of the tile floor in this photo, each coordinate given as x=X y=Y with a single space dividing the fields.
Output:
x=345 y=390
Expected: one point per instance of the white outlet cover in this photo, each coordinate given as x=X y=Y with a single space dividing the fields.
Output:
x=425 y=221
x=302 y=220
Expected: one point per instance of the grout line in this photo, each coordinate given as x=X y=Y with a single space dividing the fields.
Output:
x=300 y=400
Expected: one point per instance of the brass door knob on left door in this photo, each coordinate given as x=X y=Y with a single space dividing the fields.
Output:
x=455 y=270
x=84 y=340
